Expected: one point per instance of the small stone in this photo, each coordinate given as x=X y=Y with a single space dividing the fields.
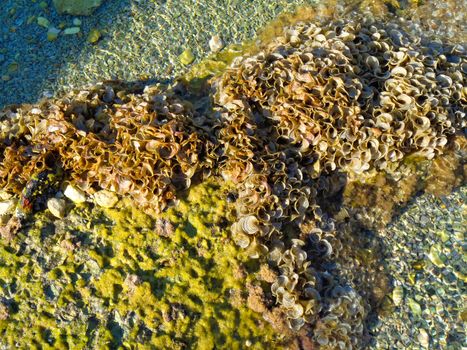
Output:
x=7 y=207
x=434 y=257
x=30 y=19
x=76 y=22
x=216 y=44
x=57 y=207
x=3 y=312
x=105 y=199
x=94 y=36
x=423 y=338
x=52 y=34
x=43 y=22
x=443 y=235
x=186 y=57
x=414 y=307
x=424 y=220
x=13 y=67
x=43 y=5
x=71 y=30
x=74 y=194
x=397 y=295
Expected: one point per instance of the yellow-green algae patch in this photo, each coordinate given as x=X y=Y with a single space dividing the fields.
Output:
x=118 y=277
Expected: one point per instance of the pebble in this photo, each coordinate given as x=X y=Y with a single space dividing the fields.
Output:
x=71 y=30
x=52 y=34
x=43 y=22
x=434 y=257
x=57 y=207
x=186 y=57
x=423 y=338
x=397 y=295
x=414 y=306
x=216 y=44
x=13 y=67
x=7 y=207
x=74 y=194
x=76 y=22
x=105 y=199
x=94 y=36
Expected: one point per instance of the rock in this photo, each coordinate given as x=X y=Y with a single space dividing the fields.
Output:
x=52 y=34
x=414 y=307
x=216 y=44
x=43 y=22
x=186 y=57
x=76 y=22
x=8 y=207
x=76 y=7
x=94 y=36
x=74 y=194
x=71 y=30
x=423 y=338
x=434 y=257
x=105 y=199
x=397 y=295
x=57 y=207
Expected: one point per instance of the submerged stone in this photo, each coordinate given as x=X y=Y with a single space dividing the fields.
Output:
x=186 y=57
x=72 y=30
x=52 y=34
x=43 y=22
x=76 y=7
x=94 y=36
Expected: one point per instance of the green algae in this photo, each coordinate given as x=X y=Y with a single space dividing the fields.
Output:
x=109 y=278
x=76 y=7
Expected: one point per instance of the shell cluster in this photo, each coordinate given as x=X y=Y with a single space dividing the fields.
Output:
x=348 y=96
x=143 y=145
x=289 y=124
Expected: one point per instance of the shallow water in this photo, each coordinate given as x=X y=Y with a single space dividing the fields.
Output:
x=143 y=41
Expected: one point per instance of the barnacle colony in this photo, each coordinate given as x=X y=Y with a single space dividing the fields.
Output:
x=318 y=106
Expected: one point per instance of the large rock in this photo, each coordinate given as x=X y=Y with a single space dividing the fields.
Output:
x=76 y=7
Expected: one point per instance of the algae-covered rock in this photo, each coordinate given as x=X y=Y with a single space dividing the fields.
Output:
x=76 y=7
x=186 y=57
x=94 y=36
